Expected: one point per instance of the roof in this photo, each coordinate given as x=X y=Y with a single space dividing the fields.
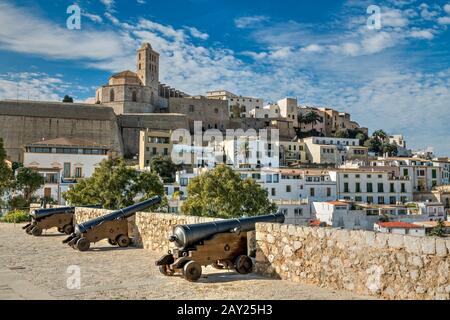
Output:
x=399 y=224
x=315 y=223
x=337 y=203
x=67 y=142
x=125 y=74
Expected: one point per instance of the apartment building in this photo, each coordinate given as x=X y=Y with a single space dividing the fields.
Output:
x=372 y=186
x=424 y=175
x=62 y=162
x=330 y=150
x=444 y=165
x=292 y=152
x=154 y=143
x=238 y=106
x=271 y=111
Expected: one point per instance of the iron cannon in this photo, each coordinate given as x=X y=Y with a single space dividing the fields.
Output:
x=221 y=244
x=112 y=226
x=43 y=219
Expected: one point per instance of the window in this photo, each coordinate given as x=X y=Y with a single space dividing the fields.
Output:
x=433 y=174
x=134 y=96
x=274 y=193
x=166 y=151
x=380 y=200
x=78 y=172
x=369 y=199
x=358 y=187
x=154 y=151
x=358 y=199
x=392 y=200
x=328 y=192
x=298 y=212
x=111 y=95
x=276 y=178
x=380 y=176
x=66 y=171
x=346 y=190
x=369 y=176
x=380 y=187
x=357 y=176
x=369 y=187
x=392 y=188
x=403 y=188
x=288 y=188
x=191 y=108
x=269 y=178
x=405 y=172
x=312 y=192
x=184 y=182
x=345 y=176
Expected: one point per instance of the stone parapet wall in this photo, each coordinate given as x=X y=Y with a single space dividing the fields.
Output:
x=383 y=265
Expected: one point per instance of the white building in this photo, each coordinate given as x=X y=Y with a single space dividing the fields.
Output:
x=237 y=105
x=330 y=150
x=252 y=152
x=295 y=211
x=62 y=162
x=434 y=210
x=398 y=227
x=444 y=165
x=371 y=186
x=424 y=175
x=271 y=111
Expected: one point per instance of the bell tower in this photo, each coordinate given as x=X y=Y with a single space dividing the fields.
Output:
x=148 y=66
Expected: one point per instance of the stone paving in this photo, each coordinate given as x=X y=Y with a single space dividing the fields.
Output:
x=37 y=268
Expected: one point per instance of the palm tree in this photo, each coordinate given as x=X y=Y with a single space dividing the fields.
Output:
x=313 y=118
x=380 y=135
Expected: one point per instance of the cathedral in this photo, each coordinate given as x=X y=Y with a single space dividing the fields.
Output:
x=138 y=92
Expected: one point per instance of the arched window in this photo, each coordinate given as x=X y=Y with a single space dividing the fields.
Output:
x=111 y=95
x=134 y=96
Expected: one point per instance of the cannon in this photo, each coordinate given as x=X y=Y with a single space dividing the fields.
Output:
x=112 y=226
x=221 y=244
x=43 y=219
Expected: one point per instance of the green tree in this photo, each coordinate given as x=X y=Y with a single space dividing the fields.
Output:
x=390 y=148
x=342 y=134
x=67 y=99
x=222 y=193
x=28 y=181
x=312 y=118
x=373 y=145
x=439 y=230
x=114 y=185
x=6 y=173
x=380 y=135
x=361 y=137
x=165 y=168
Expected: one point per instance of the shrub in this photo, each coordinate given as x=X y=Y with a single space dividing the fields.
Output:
x=18 y=216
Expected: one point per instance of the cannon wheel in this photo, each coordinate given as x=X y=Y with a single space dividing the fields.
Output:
x=36 y=231
x=83 y=244
x=60 y=230
x=67 y=229
x=112 y=242
x=28 y=229
x=243 y=265
x=192 y=271
x=123 y=241
x=165 y=270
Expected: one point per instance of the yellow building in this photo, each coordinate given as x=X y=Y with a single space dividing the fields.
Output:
x=154 y=143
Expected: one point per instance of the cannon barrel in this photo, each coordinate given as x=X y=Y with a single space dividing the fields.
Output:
x=118 y=214
x=185 y=236
x=42 y=213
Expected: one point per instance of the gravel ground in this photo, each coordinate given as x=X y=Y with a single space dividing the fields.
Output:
x=36 y=268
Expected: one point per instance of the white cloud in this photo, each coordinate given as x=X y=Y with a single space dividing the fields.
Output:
x=40 y=37
x=108 y=3
x=93 y=17
x=141 y=1
x=447 y=8
x=444 y=20
x=314 y=48
x=426 y=13
x=247 y=22
x=197 y=33
x=422 y=34
x=393 y=18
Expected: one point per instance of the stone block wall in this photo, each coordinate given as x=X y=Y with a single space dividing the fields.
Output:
x=387 y=266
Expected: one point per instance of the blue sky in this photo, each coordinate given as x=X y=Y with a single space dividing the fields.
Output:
x=396 y=78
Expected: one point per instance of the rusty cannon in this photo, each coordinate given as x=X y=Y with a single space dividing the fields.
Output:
x=60 y=218
x=221 y=244
x=112 y=226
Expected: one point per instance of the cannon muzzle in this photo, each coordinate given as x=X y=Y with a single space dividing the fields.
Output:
x=118 y=214
x=42 y=213
x=186 y=236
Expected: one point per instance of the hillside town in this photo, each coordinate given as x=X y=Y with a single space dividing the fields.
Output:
x=315 y=163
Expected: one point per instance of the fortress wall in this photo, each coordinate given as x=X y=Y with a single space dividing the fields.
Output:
x=28 y=122
x=389 y=266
